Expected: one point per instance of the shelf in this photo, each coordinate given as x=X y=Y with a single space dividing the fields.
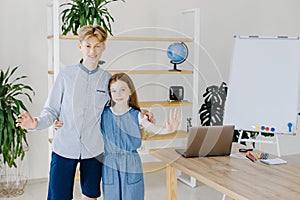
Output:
x=146 y=136
x=150 y=72
x=50 y=72
x=161 y=39
x=148 y=104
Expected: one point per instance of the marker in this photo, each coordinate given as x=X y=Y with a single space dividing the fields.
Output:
x=290 y=126
x=287 y=37
x=282 y=36
x=248 y=37
x=250 y=156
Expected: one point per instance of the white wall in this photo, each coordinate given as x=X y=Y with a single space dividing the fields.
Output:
x=23 y=42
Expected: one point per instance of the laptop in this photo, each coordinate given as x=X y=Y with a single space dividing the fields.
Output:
x=208 y=141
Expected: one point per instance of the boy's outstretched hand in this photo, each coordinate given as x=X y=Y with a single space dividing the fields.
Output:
x=26 y=121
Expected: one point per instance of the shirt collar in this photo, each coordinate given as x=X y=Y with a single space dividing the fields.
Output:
x=81 y=66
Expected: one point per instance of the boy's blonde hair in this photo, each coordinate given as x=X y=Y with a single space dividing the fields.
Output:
x=88 y=31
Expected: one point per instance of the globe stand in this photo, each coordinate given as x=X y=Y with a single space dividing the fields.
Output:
x=174 y=68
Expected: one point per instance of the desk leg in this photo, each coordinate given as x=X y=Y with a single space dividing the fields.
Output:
x=171 y=183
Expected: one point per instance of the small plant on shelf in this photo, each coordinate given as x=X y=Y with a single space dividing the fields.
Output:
x=78 y=13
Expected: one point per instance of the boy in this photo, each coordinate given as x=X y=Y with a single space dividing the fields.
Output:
x=77 y=98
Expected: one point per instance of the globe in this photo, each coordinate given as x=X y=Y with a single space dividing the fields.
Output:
x=177 y=53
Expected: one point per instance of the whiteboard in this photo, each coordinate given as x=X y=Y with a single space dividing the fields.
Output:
x=263 y=87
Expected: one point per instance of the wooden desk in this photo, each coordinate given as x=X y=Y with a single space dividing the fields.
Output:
x=238 y=178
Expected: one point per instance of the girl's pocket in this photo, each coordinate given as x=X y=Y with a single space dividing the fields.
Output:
x=108 y=175
x=133 y=178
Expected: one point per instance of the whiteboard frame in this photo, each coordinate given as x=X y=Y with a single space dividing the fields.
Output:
x=255 y=126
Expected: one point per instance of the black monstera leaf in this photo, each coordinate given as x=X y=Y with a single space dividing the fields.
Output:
x=212 y=110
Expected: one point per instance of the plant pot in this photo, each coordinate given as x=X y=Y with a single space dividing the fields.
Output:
x=12 y=180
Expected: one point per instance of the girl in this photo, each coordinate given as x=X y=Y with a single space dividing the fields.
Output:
x=122 y=167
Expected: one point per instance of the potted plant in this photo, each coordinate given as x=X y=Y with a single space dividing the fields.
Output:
x=78 y=13
x=212 y=110
x=12 y=138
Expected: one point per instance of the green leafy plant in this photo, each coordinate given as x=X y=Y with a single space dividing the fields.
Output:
x=12 y=138
x=212 y=110
x=78 y=13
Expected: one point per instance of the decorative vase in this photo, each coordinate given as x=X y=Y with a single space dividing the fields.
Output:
x=13 y=180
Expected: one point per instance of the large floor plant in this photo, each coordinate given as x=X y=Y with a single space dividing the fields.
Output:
x=12 y=138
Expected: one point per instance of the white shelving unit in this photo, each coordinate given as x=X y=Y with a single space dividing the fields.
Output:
x=54 y=38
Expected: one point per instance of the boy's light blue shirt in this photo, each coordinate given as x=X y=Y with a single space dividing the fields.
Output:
x=77 y=98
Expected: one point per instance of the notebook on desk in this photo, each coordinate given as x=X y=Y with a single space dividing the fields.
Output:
x=208 y=141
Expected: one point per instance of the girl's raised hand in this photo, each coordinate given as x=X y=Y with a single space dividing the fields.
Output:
x=174 y=120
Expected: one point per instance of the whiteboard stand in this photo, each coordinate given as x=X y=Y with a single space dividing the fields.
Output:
x=259 y=142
